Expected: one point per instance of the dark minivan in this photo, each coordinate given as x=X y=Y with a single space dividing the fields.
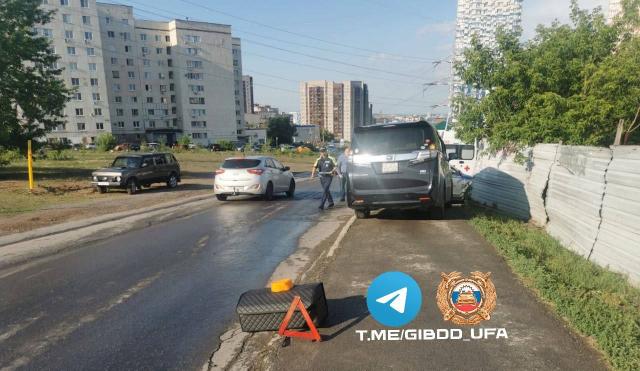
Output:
x=399 y=166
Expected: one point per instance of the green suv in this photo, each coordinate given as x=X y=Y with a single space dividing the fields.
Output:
x=133 y=171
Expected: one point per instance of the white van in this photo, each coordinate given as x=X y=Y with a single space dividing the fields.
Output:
x=465 y=158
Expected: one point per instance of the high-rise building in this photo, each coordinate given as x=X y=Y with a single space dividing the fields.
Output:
x=247 y=93
x=337 y=107
x=482 y=18
x=615 y=8
x=146 y=80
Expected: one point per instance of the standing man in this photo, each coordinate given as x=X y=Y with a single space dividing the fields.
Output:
x=342 y=171
x=325 y=166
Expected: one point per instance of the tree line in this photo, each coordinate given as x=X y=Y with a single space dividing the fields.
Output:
x=572 y=83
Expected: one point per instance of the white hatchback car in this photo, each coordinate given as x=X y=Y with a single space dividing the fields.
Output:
x=253 y=175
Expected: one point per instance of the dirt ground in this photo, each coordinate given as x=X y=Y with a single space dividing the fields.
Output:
x=63 y=191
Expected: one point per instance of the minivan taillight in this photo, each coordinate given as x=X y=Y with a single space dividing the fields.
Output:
x=219 y=171
x=255 y=171
x=423 y=156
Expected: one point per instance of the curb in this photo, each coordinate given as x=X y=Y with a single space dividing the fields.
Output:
x=71 y=226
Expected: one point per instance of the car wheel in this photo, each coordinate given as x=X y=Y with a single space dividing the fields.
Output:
x=172 y=182
x=437 y=211
x=292 y=189
x=450 y=203
x=132 y=186
x=102 y=189
x=362 y=214
x=221 y=197
x=268 y=194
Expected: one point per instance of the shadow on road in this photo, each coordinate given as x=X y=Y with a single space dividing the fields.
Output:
x=344 y=313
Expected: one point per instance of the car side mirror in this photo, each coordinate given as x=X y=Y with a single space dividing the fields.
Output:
x=453 y=156
x=286 y=168
x=144 y=164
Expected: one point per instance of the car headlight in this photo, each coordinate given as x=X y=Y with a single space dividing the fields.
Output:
x=118 y=179
x=95 y=178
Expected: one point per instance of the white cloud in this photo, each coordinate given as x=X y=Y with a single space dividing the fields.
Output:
x=535 y=12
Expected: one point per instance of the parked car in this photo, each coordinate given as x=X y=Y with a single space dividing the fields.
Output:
x=253 y=175
x=461 y=185
x=134 y=171
x=153 y=146
x=134 y=147
x=90 y=146
x=400 y=165
x=214 y=147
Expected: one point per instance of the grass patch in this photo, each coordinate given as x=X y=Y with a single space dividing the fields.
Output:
x=598 y=303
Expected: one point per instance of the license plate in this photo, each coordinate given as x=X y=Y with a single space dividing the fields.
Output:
x=103 y=183
x=389 y=167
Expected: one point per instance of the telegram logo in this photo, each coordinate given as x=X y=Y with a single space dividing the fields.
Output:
x=394 y=299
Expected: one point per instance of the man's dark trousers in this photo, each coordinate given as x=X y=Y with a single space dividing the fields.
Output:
x=343 y=186
x=325 y=181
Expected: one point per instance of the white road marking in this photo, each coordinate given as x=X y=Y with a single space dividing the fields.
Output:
x=66 y=328
x=343 y=233
x=14 y=329
x=270 y=214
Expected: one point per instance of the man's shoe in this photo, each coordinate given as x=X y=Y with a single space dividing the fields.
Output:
x=330 y=206
x=321 y=207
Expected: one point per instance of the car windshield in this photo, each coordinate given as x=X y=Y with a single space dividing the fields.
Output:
x=391 y=140
x=241 y=163
x=128 y=162
x=463 y=151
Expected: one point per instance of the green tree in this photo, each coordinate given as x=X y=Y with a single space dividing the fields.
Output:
x=105 y=142
x=32 y=95
x=326 y=135
x=280 y=128
x=184 y=141
x=571 y=83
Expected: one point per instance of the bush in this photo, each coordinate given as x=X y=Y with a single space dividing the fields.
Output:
x=105 y=142
x=8 y=156
x=184 y=141
x=226 y=145
x=59 y=155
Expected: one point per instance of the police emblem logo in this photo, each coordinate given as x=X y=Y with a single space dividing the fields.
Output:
x=466 y=300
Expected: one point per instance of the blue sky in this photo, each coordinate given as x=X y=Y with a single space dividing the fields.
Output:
x=401 y=38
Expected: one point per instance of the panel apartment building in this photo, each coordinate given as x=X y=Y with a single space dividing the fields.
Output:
x=481 y=18
x=337 y=107
x=145 y=80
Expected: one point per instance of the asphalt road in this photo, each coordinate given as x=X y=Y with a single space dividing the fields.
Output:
x=154 y=298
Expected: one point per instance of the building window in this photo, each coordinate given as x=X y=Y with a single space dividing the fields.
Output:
x=88 y=35
x=86 y=20
x=120 y=124
x=94 y=82
x=192 y=39
x=82 y=126
x=97 y=111
x=77 y=96
x=115 y=74
x=68 y=35
x=71 y=50
x=131 y=74
x=158 y=50
x=134 y=99
x=127 y=48
x=134 y=112
x=198 y=124
x=79 y=112
x=167 y=38
x=114 y=60
x=147 y=75
x=143 y=36
x=129 y=62
x=149 y=99
x=197 y=88
x=84 y=3
x=66 y=18
x=198 y=112
x=99 y=125
x=136 y=124
x=168 y=50
x=91 y=52
x=73 y=66
x=145 y=50
x=194 y=76
x=93 y=67
x=196 y=100
x=163 y=88
x=107 y=20
x=116 y=87
x=194 y=64
x=118 y=99
x=192 y=51
x=132 y=87
x=96 y=96
x=119 y=112
x=146 y=62
x=170 y=75
x=160 y=75
x=64 y=2
x=151 y=112
x=75 y=81
x=152 y=124
x=164 y=100
x=111 y=34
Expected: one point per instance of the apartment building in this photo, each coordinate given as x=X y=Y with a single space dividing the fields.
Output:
x=482 y=18
x=615 y=8
x=75 y=36
x=247 y=93
x=155 y=81
x=337 y=107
